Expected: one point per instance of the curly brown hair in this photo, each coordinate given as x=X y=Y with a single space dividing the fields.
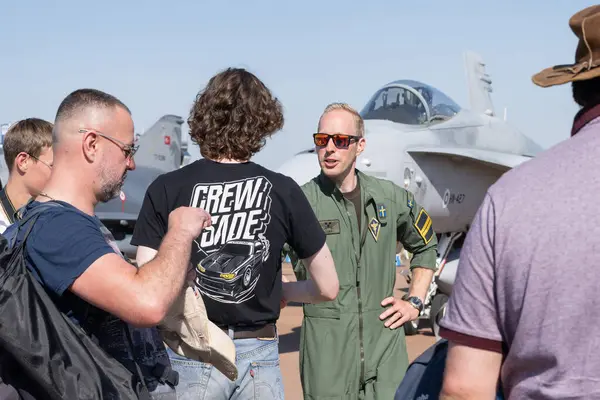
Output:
x=233 y=115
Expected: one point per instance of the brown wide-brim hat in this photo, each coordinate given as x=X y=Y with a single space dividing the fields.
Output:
x=586 y=26
x=188 y=332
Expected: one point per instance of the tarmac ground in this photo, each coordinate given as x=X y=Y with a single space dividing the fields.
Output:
x=289 y=338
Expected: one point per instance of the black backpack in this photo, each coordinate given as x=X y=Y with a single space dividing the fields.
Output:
x=43 y=354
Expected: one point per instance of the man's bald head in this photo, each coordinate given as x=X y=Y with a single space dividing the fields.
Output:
x=85 y=105
x=93 y=135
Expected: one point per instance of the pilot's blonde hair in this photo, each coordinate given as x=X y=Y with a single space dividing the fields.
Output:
x=360 y=125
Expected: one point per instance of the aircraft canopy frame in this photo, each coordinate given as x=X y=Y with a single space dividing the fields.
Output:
x=410 y=102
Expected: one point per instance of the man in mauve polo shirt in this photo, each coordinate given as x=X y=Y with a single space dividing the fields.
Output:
x=527 y=275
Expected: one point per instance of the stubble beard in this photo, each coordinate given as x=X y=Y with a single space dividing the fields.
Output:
x=111 y=188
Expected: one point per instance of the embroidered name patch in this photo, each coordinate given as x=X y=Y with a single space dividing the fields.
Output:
x=330 y=226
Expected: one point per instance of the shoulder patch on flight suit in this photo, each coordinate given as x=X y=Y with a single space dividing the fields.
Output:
x=330 y=226
x=410 y=203
x=424 y=226
x=381 y=211
x=374 y=227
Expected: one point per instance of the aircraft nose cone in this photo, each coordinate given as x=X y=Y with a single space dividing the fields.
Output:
x=301 y=168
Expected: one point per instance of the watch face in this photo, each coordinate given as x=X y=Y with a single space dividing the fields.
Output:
x=416 y=301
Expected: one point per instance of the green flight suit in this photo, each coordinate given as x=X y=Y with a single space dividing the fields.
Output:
x=346 y=352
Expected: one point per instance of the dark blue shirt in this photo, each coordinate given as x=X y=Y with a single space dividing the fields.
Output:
x=62 y=244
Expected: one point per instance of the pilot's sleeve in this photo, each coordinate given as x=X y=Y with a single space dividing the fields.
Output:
x=414 y=229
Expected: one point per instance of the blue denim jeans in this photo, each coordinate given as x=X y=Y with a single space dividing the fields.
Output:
x=259 y=376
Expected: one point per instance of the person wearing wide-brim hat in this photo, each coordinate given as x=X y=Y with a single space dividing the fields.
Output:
x=511 y=319
x=584 y=73
x=586 y=26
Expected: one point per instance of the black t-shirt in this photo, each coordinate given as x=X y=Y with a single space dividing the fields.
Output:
x=254 y=211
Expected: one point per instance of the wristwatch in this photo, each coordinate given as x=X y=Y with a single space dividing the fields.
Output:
x=414 y=301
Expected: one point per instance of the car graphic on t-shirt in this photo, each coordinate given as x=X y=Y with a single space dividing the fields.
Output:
x=230 y=274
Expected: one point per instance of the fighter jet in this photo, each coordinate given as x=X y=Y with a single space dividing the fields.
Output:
x=161 y=150
x=447 y=156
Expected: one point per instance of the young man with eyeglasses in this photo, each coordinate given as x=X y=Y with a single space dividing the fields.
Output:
x=28 y=155
x=352 y=347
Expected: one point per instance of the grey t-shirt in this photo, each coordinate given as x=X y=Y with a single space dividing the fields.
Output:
x=529 y=275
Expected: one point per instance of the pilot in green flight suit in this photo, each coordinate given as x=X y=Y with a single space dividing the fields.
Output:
x=354 y=346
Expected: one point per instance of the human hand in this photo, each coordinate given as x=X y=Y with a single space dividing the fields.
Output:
x=189 y=221
x=399 y=313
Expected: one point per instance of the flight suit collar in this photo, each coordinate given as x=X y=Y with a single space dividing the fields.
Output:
x=374 y=195
x=329 y=188
x=327 y=185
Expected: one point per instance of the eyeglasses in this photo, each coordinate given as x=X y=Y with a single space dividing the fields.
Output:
x=340 y=140
x=128 y=149
x=42 y=161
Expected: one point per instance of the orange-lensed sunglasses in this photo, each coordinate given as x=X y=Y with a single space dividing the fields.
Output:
x=340 y=140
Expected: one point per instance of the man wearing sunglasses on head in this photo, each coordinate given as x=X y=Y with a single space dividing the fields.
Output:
x=354 y=347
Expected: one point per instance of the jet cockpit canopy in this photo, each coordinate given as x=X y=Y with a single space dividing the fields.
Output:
x=410 y=102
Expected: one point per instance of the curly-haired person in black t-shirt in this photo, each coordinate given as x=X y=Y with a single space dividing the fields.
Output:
x=237 y=261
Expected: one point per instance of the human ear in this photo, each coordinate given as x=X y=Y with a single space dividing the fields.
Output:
x=22 y=161
x=360 y=146
x=89 y=145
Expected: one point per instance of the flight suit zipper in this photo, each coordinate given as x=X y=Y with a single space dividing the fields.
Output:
x=360 y=316
x=358 y=292
x=360 y=328
x=358 y=256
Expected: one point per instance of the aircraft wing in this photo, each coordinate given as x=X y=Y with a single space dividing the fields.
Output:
x=505 y=160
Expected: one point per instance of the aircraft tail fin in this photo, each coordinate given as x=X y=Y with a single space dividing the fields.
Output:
x=479 y=83
x=161 y=145
x=186 y=157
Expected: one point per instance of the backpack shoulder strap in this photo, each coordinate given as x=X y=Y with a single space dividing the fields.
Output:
x=34 y=213
x=38 y=209
x=7 y=206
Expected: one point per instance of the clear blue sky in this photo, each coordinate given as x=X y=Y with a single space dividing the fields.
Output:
x=155 y=56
